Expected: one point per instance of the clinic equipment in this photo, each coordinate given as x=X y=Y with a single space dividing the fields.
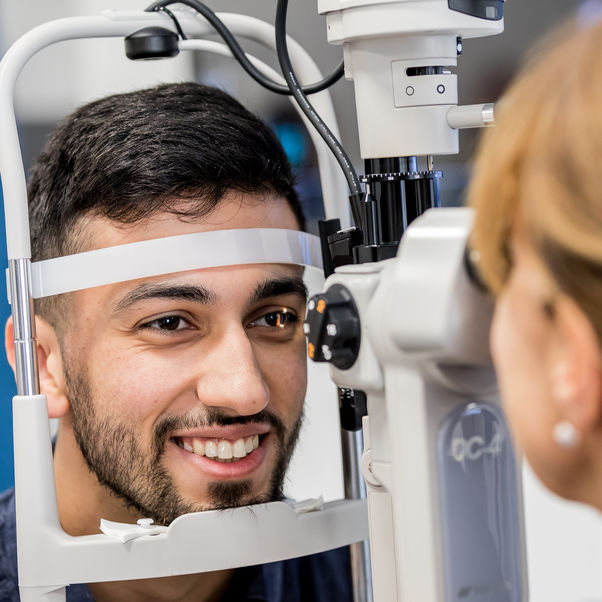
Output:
x=409 y=332
x=407 y=327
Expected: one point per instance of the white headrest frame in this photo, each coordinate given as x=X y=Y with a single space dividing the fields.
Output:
x=173 y=254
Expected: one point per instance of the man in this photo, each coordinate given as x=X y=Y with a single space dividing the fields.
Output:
x=182 y=392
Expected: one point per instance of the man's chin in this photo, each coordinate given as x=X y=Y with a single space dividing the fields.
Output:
x=222 y=495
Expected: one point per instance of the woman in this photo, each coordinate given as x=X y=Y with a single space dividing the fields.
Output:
x=537 y=192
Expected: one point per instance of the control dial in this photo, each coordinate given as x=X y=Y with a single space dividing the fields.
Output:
x=332 y=327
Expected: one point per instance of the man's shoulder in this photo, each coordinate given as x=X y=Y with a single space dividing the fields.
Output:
x=8 y=548
x=8 y=534
x=9 y=580
x=320 y=577
x=7 y=498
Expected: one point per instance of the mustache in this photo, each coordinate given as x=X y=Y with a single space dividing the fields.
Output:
x=212 y=417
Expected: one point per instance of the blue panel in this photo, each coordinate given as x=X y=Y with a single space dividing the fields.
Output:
x=7 y=381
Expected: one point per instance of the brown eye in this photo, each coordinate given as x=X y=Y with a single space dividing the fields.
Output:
x=169 y=323
x=275 y=319
x=166 y=324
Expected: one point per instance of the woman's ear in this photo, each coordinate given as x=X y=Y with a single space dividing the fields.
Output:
x=576 y=368
x=50 y=365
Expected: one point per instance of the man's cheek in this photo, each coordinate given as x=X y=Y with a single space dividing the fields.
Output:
x=134 y=389
x=286 y=375
x=293 y=370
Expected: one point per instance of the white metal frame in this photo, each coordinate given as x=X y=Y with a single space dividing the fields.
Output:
x=49 y=559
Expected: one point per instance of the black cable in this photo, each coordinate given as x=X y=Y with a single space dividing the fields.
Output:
x=239 y=53
x=289 y=75
x=166 y=10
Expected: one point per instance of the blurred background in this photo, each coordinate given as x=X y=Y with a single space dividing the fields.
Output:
x=564 y=541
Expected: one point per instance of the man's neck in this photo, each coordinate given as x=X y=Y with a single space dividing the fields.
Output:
x=203 y=587
x=83 y=501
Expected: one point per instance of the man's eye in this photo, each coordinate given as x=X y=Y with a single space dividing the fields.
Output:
x=276 y=319
x=166 y=323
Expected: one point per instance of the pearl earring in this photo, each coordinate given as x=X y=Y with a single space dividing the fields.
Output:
x=565 y=434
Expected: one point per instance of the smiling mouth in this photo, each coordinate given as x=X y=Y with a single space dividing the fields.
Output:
x=220 y=450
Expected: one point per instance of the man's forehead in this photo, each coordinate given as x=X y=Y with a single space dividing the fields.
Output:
x=235 y=210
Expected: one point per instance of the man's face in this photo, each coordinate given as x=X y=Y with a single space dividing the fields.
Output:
x=186 y=390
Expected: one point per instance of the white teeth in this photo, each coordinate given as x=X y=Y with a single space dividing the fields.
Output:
x=211 y=449
x=238 y=449
x=198 y=447
x=224 y=450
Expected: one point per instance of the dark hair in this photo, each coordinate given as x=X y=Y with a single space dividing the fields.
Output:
x=177 y=147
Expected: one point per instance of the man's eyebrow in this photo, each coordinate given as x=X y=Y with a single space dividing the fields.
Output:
x=274 y=287
x=198 y=294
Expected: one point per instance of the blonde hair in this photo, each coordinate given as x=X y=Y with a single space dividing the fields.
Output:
x=543 y=160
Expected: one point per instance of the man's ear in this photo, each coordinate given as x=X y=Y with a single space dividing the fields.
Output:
x=576 y=368
x=50 y=365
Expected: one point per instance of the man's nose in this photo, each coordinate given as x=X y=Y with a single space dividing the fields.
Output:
x=231 y=377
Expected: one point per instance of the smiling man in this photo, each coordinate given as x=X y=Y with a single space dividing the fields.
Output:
x=176 y=393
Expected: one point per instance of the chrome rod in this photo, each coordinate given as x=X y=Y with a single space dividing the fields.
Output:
x=355 y=488
x=23 y=327
x=353 y=446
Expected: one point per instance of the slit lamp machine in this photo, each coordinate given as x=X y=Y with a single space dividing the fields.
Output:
x=431 y=478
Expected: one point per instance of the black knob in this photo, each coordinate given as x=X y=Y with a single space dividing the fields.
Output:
x=152 y=43
x=332 y=327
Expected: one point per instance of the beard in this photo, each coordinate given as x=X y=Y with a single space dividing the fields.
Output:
x=137 y=476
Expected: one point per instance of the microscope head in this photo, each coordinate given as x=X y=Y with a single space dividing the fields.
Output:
x=400 y=56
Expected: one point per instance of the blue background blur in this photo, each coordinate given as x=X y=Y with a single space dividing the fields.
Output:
x=7 y=381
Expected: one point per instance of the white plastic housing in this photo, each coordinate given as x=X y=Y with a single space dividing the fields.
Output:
x=398 y=114
x=424 y=352
x=450 y=318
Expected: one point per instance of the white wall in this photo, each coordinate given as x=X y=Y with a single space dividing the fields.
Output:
x=564 y=546
x=69 y=74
